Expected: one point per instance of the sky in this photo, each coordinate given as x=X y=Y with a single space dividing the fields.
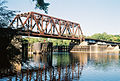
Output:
x=94 y=16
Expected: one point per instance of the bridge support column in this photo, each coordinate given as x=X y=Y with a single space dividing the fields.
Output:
x=24 y=50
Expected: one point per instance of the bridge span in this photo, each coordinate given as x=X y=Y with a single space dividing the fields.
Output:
x=40 y=25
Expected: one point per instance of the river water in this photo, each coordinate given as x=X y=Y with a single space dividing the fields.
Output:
x=64 y=66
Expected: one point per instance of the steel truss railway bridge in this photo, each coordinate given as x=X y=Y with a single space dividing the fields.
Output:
x=40 y=25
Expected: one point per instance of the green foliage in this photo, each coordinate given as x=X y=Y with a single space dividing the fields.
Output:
x=55 y=42
x=105 y=36
x=5 y=15
x=32 y=40
x=60 y=42
x=42 y=5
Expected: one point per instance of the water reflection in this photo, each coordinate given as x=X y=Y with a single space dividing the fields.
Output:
x=67 y=67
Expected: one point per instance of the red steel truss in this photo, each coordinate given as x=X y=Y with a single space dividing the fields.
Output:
x=36 y=24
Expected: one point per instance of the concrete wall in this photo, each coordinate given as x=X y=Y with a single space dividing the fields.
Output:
x=39 y=47
x=96 y=48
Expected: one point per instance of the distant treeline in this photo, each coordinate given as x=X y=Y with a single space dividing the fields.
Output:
x=54 y=41
x=105 y=36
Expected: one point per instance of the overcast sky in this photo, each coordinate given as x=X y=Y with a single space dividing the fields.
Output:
x=94 y=16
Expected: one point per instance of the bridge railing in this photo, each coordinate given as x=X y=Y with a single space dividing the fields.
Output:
x=45 y=25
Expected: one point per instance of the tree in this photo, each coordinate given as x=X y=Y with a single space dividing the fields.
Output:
x=5 y=15
x=40 y=4
x=105 y=36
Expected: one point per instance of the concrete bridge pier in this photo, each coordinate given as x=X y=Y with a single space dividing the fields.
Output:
x=87 y=47
x=40 y=48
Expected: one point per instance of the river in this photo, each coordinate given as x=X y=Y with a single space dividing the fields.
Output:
x=64 y=66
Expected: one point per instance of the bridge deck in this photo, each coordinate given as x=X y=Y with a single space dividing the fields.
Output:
x=37 y=34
